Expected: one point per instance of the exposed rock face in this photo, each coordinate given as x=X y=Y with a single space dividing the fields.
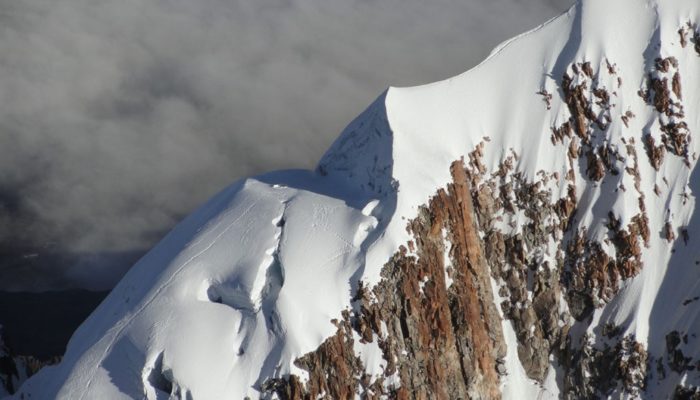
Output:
x=444 y=340
x=334 y=370
x=594 y=373
x=437 y=325
x=8 y=369
x=529 y=286
x=590 y=106
x=684 y=393
x=664 y=92
x=14 y=370
x=654 y=152
x=434 y=317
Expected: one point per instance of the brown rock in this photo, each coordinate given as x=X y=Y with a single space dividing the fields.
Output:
x=655 y=153
x=444 y=343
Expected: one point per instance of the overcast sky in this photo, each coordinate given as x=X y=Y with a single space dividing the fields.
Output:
x=119 y=117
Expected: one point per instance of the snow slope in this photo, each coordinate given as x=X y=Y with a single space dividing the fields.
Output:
x=250 y=281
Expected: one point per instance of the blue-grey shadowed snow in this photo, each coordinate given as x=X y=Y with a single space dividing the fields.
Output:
x=119 y=117
x=675 y=307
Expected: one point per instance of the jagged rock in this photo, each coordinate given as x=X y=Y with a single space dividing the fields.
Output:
x=15 y=369
x=669 y=233
x=589 y=103
x=592 y=277
x=655 y=153
x=546 y=97
x=9 y=373
x=677 y=361
x=593 y=373
x=695 y=32
x=665 y=94
x=442 y=342
x=686 y=393
x=584 y=274
x=627 y=117
x=676 y=138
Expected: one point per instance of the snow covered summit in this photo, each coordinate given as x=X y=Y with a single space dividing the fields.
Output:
x=524 y=230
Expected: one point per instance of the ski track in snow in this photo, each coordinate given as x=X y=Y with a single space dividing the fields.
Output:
x=165 y=285
x=323 y=246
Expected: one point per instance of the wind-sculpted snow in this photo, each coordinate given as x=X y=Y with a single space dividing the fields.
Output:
x=236 y=299
x=579 y=146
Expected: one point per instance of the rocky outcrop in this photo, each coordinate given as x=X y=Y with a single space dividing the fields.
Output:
x=590 y=106
x=592 y=276
x=9 y=375
x=654 y=152
x=528 y=285
x=14 y=369
x=690 y=32
x=664 y=92
x=432 y=316
x=594 y=373
x=686 y=393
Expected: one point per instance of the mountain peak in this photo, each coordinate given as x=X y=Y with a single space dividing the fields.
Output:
x=523 y=229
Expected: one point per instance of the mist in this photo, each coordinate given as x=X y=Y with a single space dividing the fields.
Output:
x=119 y=117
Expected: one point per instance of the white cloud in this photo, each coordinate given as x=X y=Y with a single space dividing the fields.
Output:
x=120 y=116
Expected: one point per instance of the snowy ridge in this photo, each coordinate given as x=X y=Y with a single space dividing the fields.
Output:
x=250 y=282
x=246 y=295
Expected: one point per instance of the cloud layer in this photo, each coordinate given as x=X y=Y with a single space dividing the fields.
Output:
x=120 y=116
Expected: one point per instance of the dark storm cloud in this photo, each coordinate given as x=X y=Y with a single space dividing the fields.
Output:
x=120 y=116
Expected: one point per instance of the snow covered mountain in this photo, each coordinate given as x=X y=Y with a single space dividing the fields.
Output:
x=524 y=230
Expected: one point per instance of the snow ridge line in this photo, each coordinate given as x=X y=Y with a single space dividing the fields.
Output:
x=170 y=280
